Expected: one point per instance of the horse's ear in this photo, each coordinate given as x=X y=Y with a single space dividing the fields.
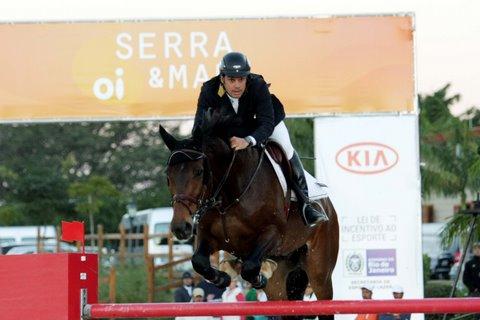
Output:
x=169 y=140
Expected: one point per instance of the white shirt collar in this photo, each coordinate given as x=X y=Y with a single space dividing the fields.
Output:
x=234 y=102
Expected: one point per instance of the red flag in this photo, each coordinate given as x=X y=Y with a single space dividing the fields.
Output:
x=73 y=231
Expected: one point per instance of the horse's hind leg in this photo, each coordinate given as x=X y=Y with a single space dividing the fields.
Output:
x=276 y=288
x=320 y=278
x=322 y=256
x=288 y=282
x=297 y=282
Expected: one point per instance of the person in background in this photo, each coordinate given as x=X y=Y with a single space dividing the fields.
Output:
x=253 y=294
x=184 y=293
x=198 y=295
x=397 y=292
x=309 y=295
x=367 y=293
x=471 y=275
x=212 y=292
x=233 y=294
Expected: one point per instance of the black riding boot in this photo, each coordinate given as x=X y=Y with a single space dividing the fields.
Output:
x=309 y=214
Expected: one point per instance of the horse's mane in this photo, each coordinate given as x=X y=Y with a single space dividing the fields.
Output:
x=210 y=137
x=213 y=130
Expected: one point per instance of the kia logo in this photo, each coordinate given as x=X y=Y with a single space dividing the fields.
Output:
x=366 y=158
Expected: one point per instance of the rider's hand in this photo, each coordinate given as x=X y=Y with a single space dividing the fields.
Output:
x=238 y=143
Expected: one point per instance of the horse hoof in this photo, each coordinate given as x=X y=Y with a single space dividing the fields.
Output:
x=222 y=281
x=261 y=282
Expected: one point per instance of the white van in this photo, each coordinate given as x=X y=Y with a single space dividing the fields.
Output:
x=25 y=234
x=158 y=220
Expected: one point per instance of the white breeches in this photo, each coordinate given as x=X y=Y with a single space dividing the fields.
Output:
x=280 y=135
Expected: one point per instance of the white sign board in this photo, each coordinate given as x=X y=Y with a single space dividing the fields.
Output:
x=371 y=166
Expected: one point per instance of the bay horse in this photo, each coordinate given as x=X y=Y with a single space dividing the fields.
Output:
x=235 y=203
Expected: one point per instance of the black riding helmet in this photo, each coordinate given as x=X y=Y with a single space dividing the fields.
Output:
x=234 y=64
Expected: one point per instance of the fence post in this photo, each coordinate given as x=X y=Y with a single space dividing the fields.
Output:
x=100 y=242
x=59 y=237
x=146 y=238
x=170 y=257
x=112 y=285
x=150 y=279
x=39 y=240
x=121 y=249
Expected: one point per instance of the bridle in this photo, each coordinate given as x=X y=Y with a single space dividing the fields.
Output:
x=185 y=199
x=205 y=204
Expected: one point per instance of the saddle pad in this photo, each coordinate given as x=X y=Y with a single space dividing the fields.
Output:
x=316 y=190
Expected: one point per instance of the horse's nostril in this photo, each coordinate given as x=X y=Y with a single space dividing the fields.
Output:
x=177 y=231
x=188 y=228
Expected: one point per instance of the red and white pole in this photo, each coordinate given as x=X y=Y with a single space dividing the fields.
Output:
x=285 y=308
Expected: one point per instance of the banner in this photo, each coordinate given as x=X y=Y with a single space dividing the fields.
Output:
x=371 y=166
x=154 y=69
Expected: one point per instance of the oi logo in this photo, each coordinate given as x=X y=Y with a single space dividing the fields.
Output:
x=104 y=88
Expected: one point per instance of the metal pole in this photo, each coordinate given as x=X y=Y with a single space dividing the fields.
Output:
x=83 y=304
x=286 y=308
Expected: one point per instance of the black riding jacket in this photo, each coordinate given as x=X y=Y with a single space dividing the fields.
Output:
x=258 y=110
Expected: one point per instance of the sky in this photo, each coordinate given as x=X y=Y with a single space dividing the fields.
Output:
x=447 y=34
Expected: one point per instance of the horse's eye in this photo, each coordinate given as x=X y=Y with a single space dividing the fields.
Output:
x=198 y=172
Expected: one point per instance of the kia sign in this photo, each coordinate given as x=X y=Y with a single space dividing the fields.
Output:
x=371 y=166
x=366 y=158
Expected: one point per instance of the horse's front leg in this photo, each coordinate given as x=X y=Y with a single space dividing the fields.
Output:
x=201 y=264
x=253 y=263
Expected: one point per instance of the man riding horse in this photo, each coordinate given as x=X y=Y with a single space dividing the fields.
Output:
x=259 y=116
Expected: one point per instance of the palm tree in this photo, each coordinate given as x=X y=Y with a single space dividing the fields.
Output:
x=449 y=155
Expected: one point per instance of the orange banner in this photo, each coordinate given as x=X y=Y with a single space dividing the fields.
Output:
x=139 y=70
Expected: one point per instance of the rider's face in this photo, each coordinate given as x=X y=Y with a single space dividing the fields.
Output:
x=235 y=86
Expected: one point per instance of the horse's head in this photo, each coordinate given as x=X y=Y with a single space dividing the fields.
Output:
x=186 y=182
x=188 y=172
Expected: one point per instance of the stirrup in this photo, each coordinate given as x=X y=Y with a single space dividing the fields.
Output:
x=314 y=216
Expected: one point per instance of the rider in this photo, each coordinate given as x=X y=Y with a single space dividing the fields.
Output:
x=260 y=115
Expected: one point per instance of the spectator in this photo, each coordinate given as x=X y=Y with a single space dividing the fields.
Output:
x=198 y=295
x=367 y=293
x=309 y=295
x=397 y=292
x=253 y=294
x=184 y=293
x=212 y=292
x=233 y=294
x=471 y=274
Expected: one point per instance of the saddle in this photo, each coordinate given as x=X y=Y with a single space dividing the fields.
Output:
x=276 y=153
x=283 y=169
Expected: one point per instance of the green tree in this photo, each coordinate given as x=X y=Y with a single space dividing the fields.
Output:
x=448 y=148
x=91 y=195
x=301 y=136
x=39 y=162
